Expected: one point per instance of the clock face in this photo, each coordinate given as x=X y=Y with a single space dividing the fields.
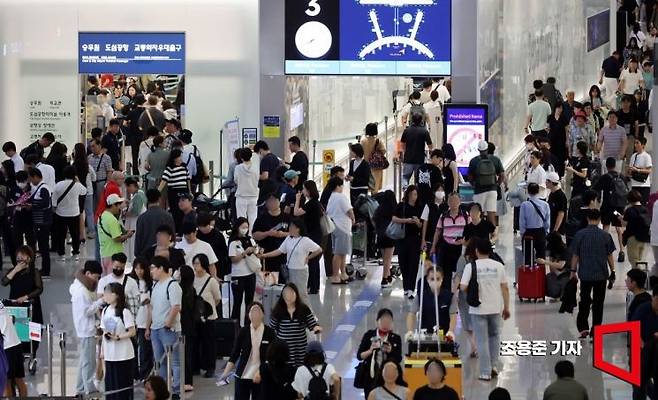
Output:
x=313 y=39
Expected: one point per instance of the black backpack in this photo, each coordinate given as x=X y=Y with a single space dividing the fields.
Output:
x=486 y=172
x=317 y=387
x=29 y=150
x=616 y=196
x=201 y=173
x=202 y=309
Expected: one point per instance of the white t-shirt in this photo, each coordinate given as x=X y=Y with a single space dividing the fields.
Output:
x=239 y=268
x=642 y=160
x=8 y=330
x=142 y=313
x=539 y=110
x=434 y=111
x=337 y=209
x=131 y=290
x=117 y=350
x=19 y=165
x=490 y=275
x=297 y=249
x=640 y=37
x=631 y=80
x=48 y=174
x=538 y=175
x=303 y=377
x=69 y=206
x=211 y=293
x=198 y=247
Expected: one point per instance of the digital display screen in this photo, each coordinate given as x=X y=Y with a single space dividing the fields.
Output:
x=598 y=30
x=465 y=125
x=368 y=37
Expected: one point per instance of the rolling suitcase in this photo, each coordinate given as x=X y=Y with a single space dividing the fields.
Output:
x=532 y=277
x=226 y=331
x=271 y=295
x=651 y=280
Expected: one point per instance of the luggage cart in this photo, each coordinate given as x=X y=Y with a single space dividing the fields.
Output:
x=360 y=244
x=21 y=313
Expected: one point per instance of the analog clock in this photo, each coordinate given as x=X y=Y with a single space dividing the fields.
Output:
x=313 y=39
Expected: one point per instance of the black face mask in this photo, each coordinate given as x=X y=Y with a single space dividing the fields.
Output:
x=117 y=272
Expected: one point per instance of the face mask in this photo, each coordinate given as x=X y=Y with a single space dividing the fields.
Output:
x=22 y=185
x=529 y=147
x=117 y=272
x=440 y=195
x=244 y=231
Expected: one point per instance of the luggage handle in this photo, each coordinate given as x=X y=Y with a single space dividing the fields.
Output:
x=532 y=250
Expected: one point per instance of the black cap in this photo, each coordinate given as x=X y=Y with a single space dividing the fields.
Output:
x=187 y=196
x=185 y=136
x=188 y=228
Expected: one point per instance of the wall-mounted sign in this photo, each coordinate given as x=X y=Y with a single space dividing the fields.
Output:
x=328 y=162
x=465 y=125
x=131 y=53
x=271 y=126
x=53 y=110
x=249 y=136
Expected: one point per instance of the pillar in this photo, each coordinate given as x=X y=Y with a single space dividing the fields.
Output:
x=465 y=62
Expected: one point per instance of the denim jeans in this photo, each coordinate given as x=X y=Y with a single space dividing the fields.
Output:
x=487 y=336
x=407 y=171
x=86 y=366
x=159 y=339
x=89 y=213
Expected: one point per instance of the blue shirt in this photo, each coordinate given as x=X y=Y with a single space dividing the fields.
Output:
x=530 y=218
x=592 y=245
x=648 y=321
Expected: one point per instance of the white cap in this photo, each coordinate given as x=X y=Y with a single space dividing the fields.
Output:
x=483 y=146
x=114 y=199
x=553 y=177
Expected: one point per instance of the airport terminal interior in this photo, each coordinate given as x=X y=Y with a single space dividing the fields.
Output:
x=227 y=109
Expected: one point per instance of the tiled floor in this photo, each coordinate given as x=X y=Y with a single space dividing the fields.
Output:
x=525 y=377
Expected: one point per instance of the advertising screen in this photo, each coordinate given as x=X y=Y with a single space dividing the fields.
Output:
x=464 y=126
x=598 y=30
x=368 y=37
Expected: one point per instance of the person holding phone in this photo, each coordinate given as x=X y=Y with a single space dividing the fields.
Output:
x=111 y=234
x=408 y=213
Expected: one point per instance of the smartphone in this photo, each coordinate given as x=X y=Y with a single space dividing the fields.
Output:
x=617 y=213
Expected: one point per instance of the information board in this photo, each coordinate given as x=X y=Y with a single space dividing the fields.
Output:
x=368 y=37
x=131 y=53
x=598 y=29
x=465 y=125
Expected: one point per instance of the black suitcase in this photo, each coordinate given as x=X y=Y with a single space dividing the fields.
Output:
x=226 y=331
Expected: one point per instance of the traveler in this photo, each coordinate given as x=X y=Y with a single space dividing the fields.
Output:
x=557 y=136
x=434 y=295
x=462 y=303
x=434 y=112
x=579 y=206
x=246 y=177
x=8 y=192
x=530 y=147
x=111 y=234
x=485 y=174
x=414 y=106
x=192 y=157
x=86 y=176
x=413 y=141
x=136 y=207
x=134 y=137
x=408 y=213
x=358 y=174
x=449 y=237
x=118 y=326
x=592 y=250
x=479 y=227
x=639 y=169
x=290 y=319
x=432 y=211
x=641 y=106
x=164 y=246
x=110 y=143
x=436 y=389
x=312 y=212
x=165 y=325
x=207 y=233
x=316 y=379
x=538 y=113
x=614 y=191
x=141 y=273
x=9 y=148
x=69 y=195
x=609 y=77
x=114 y=185
x=449 y=170
x=579 y=167
x=596 y=101
x=171 y=130
x=612 y=141
x=386 y=245
x=13 y=354
x=391 y=384
x=85 y=305
x=270 y=230
x=628 y=119
x=429 y=177
x=39 y=147
x=21 y=223
x=341 y=212
x=426 y=92
x=536 y=174
x=326 y=244
x=499 y=394
x=565 y=387
x=155 y=388
x=581 y=131
x=631 y=78
x=192 y=246
x=636 y=281
x=57 y=159
x=101 y=163
x=299 y=161
x=249 y=353
x=156 y=163
x=558 y=253
x=378 y=345
x=188 y=316
x=207 y=287
x=269 y=163
x=336 y=171
x=47 y=171
x=371 y=144
x=175 y=178
x=151 y=116
x=129 y=285
x=150 y=221
x=553 y=95
x=275 y=374
x=557 y=202
x=653 y=276
x=40 y=204
x=288 y=192
x=535 y=222
x=494 y=303
x=592 y=119
x=636 y=235
x=536 y=85
x=243 y=279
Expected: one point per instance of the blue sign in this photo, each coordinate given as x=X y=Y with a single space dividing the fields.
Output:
x=131 y=53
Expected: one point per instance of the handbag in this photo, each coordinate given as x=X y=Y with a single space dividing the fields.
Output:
x=639 y=176
x=360 y=375
x=473 y=292
x=327 y=225
x=285 y=271
x=395 y=230
x=377 y=159
x=253 y=263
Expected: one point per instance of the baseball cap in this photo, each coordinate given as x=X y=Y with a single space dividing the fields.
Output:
x=114 y=199
x=291 y=174
x=483 y=146
x=314 y=347
x=553 y=177
x=188 y=228
x=186 y=196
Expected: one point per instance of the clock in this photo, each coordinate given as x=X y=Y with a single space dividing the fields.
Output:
x=313 y=39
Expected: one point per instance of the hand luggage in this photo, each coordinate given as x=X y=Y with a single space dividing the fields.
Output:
x=271 y=295
x=532 y=277
x=226 y=331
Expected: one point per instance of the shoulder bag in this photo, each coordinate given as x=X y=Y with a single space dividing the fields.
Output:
x=639 y=176
x=68 y=189
x=395 y=230
x=473 y=291
x=285 y=271
x=327 y=225
x=377 y=159
x=253 y=262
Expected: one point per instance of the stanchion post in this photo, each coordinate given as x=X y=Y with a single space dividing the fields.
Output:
x=211 y=174
x=315 y=146
x=181 y=362
x=168 y=352
x=49 y=338
x=365 y=247
x=62 y=361
x=386 y=131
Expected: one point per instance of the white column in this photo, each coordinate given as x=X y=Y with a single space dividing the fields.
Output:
x=465 y=63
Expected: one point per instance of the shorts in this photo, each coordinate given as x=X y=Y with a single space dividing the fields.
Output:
x=15 y=362
x=385 y=242
x=487 y=200
x=341 y=242
x=608 y=217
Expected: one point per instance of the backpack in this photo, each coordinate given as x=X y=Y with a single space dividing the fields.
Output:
x=486 y=173
x=317 y=387
x=202 y=309
x=616 y=197
x=417 y=109
x=29 y=150
x=201 y=173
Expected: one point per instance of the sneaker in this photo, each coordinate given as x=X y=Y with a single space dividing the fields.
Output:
x=45 y=277
x=385 y=283
x=494 y=372
x=76 y=257
x=390 y=279
x=621 y=257
x=188 y=388
x=175 y=396
x=61 y=258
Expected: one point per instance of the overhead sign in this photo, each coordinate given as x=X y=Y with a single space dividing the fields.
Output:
x=368 y=37
x=131 y=53
x=465 y=125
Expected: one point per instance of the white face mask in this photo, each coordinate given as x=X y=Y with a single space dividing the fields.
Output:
x=244 y=231
x=22 y=185
x=440 y=195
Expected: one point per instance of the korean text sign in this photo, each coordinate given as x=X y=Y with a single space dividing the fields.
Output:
x=131 y=53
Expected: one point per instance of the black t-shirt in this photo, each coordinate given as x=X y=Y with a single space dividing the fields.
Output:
x=627 y=120
x=299 y=163
x=580 y=164
x=415 y=138
x=264 y=223
x=427 y=393
x=604 y=187
x=557 y=201
x=611 y=67
x=269 y=163
x=404 y=210
x=134 y=136
x=557 y=136
x=218 y=243
x=312 y=218
x=428 y=178
x=483 y=230
x=111 y=143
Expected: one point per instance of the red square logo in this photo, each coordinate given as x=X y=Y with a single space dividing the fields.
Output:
x=633 y=376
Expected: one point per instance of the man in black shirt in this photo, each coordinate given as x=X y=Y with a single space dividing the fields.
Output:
x=628 y=119
x=110 y=143
x=612 y=205
x=413 y=142
x=216 y=240
x=270 y=230
x=636 y=281
x=609 y=76
x=39 y=146
x=436 y=388
x=299 y=161
x=268 y=166
x=557 y=201
x=428 y=177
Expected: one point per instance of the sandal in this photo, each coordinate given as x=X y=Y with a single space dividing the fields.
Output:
x=474 y=354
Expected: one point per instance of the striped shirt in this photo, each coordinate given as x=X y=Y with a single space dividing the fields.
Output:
x=176 y=177
x=293 y=331
x=592 y=245
x=453 y=228
x=42 y=211
x=100 y=164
